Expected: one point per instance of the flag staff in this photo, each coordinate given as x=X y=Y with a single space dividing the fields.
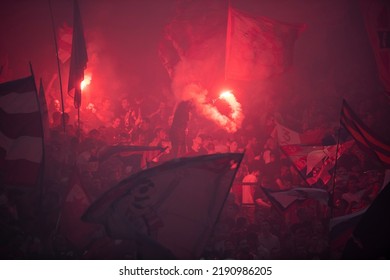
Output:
x=58 y=66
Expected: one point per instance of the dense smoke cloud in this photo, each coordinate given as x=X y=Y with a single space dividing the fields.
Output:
x=332 y=58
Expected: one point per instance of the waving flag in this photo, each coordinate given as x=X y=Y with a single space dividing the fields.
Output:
x=363 y=135
x=258 y=47
x=314 y=162
x=286 y=136
x=376 y=14
x=21 y=136
x=79 y=57
x=175 y=204
x=283 y=199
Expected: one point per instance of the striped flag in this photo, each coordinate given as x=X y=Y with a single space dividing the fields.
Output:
x=258 y=47
x=21 y=134
x=175 y=204
x=79 y=57
x=363 y=135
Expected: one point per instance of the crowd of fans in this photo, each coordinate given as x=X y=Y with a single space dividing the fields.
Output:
x=250 y=225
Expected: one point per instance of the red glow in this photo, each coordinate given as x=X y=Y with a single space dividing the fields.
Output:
x=86 y=81
x=229 y=97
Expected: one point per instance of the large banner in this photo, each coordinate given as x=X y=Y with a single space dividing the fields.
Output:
x=258 y=47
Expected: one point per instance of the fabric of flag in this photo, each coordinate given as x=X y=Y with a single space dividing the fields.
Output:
x=376 y=14
x=288 y=136
x=258 y=47
x=283 y=199
x=315 y=162
x=364 y=135
x=21 y=136
x=79 y=57
x=64 y=42
x=175 y=204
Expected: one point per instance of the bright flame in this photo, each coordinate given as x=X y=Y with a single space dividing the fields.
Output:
x=86 y=81
x=229 y=97
x=226 y=95
x=229 y=123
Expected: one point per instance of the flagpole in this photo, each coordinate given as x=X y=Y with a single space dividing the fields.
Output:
x=58 y=66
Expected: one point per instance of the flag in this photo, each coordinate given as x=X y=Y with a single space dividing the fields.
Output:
x=288 y=136
x=376 y=14
x=64 y=43
x=314 y=162
x=258 y=47
x=79 y=57
x=175 y=204
x=21 y=136
x=283 y=199
x=363 y=135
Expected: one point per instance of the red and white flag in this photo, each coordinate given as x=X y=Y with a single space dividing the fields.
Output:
x=288 y=136
x=258 y=47
x=315 y=162
x=21 y=133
